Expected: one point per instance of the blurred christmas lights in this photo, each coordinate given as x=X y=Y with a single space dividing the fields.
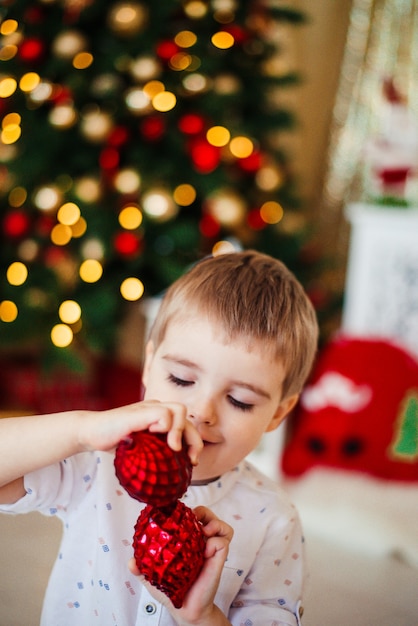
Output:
x=151 y=95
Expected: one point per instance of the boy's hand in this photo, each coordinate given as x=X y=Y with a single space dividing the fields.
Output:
x=103 y=430
x=198 y=607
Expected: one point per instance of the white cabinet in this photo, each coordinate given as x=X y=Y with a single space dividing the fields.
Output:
x=381 y=296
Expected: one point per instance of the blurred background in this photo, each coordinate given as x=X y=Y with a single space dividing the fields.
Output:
x=137 y=138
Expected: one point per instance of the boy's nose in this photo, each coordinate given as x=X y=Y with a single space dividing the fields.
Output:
x=202 y=412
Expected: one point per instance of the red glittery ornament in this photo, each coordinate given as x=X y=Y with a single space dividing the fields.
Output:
x=169 y=543
x=150 y=470
x=169 y=548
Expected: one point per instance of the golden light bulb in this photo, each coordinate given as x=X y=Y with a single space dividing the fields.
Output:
x=132 y=289
x=152 y=87
x=180 y=61
x=61 y=335
x=82 y=60
x=8 y=311
x=184 y=194
x=218 y=136
x=271 y=212
x=8 y=51
x=222 y=40
x=29 y=81
x=91 y=271
x=79 y=228
x=69 y=312
x=185 y=39
x=130 y=217
x=17 y=273
x=68 y=214
x=241 y=147
x=61 y=235
x=13 y=119
x=17 y=196
x=10 y=134
x=164 y=101
x=8 y=27
x=7 y=87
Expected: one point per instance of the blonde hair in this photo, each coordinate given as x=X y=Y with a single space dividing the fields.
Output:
x=253 y=296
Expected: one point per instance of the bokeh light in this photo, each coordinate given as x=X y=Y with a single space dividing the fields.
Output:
x=222 y=40
x=17 y=273
x=69 y=311
x=184 y=194
x=130 y=217
x=91 y=271
x=132 y=289
x=61 y=335
x=8 y=311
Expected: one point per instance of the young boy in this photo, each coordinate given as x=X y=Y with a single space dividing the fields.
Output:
x=232 y=345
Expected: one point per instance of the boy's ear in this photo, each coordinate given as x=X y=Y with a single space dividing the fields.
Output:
x=149 y=353
x=282 y=410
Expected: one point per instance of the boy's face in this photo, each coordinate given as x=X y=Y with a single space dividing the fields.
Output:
x=232 y=392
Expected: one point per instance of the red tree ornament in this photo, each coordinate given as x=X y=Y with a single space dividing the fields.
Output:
x=152 y=127
x=168 y=541
x=151 y=471
x=205 y=157
x=166 y=49
x=169 y=546
x=31 y=50
x=127 y=244
x=16 y=223
x=191 y=124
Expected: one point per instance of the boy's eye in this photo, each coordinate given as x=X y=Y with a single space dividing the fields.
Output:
x=243 y=406
x=180 y=382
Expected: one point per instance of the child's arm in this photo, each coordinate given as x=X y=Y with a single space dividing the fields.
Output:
x=29 y=443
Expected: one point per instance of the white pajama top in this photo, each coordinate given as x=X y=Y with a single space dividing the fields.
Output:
x=90 y=584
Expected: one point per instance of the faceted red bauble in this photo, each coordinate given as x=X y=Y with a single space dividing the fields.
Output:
x=150 y=470
x=169 y=547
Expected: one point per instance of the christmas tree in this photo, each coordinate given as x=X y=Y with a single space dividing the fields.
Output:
x=136 y=138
